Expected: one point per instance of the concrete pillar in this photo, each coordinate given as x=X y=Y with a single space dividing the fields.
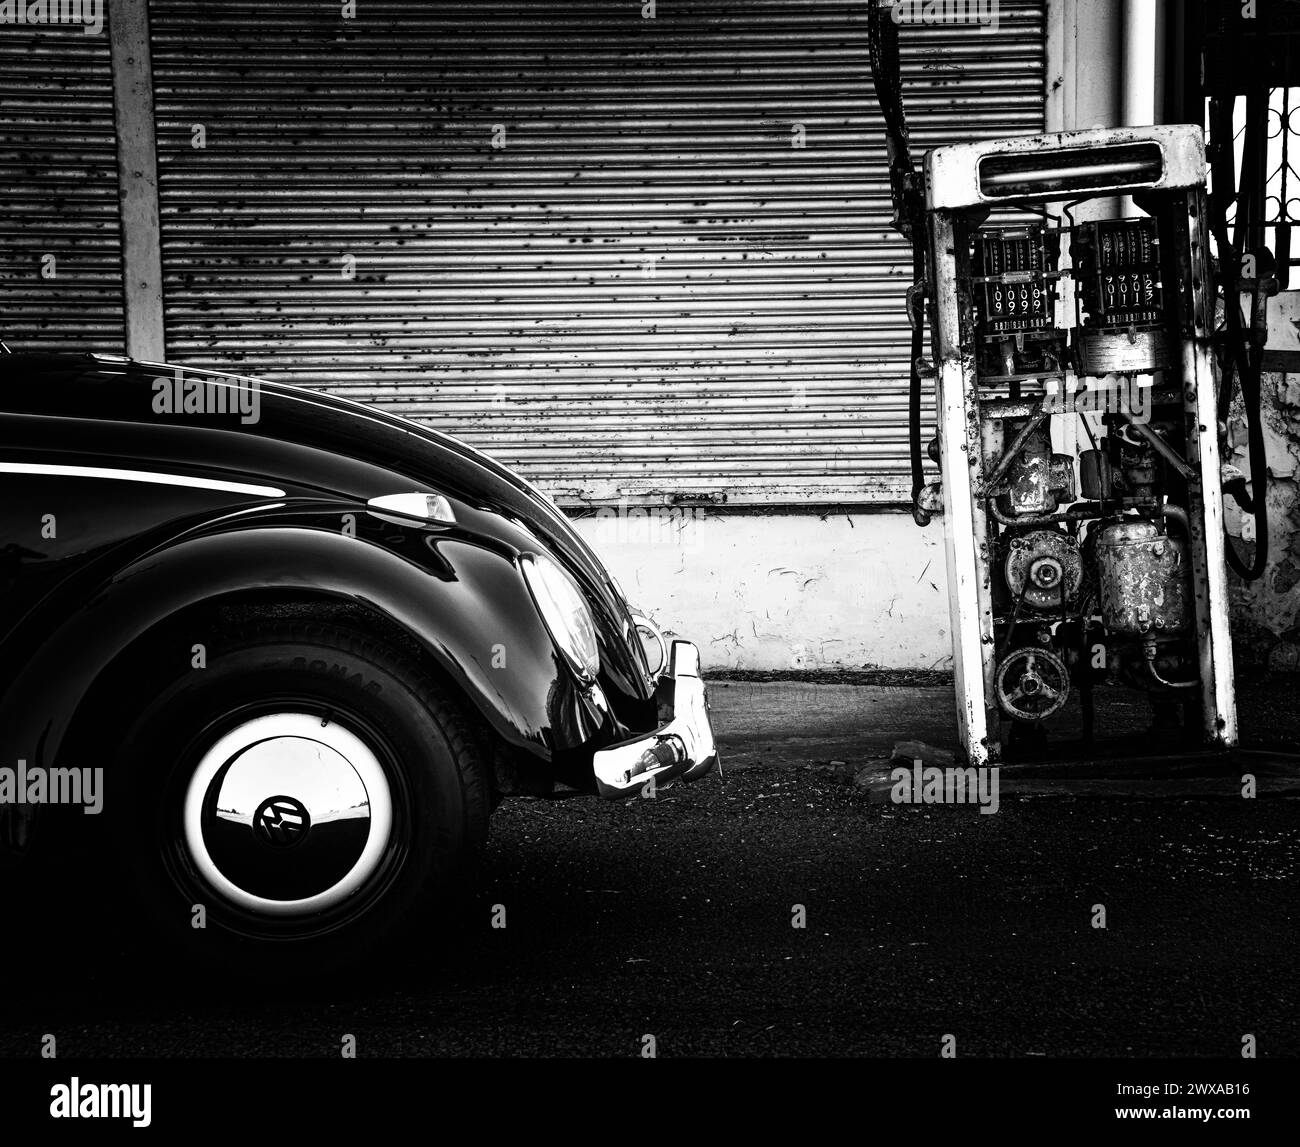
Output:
x=1084 y=57
x=1084 y=75
x=137 y=176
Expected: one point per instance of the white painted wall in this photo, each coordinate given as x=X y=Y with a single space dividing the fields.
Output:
x=785 y=591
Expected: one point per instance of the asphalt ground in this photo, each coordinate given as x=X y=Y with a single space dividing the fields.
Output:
x=674 y=917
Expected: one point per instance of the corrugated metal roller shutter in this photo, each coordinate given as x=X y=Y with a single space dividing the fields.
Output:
x=504 y=293
x=60 y=242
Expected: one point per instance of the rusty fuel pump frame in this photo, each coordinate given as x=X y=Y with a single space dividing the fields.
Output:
x=1039 y=578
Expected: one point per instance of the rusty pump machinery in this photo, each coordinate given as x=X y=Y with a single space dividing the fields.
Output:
x=1078 y=433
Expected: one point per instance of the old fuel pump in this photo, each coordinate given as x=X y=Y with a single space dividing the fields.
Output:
x=1078 y=431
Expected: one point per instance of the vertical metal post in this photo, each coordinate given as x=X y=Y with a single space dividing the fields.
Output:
x=137 y=178
x=1205 y=512
x=965 y=522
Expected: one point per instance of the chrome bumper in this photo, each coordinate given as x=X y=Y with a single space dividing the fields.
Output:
x=684 y=747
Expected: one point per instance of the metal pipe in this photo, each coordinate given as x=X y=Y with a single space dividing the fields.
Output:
x=1149 y=656
x=1016 y=446
x=1179 y=515
x=1138 y=91
x=1161 y=447
x=1075 y=513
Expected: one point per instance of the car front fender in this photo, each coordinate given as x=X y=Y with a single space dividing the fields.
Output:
x=464 y=602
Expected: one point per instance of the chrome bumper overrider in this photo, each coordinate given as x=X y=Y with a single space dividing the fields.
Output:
x=684 y=747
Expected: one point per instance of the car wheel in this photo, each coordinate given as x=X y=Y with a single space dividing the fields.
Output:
x=299 y=802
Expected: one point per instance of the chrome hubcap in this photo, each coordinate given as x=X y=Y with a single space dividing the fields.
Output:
x=288 y=814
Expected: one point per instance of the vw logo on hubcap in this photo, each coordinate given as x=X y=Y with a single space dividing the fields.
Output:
x=266 y=853
x=281 y=822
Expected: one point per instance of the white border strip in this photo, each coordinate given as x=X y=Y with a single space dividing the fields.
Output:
x=150 y=476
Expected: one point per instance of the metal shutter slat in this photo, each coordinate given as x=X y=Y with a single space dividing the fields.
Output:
x=499 y=293
x=58 y=168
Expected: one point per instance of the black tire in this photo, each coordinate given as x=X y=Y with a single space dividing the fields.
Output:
x=432 y=763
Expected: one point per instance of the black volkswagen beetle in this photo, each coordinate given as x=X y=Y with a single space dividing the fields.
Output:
x=274 y=656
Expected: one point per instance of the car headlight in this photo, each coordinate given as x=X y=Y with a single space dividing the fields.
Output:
x=565 y=613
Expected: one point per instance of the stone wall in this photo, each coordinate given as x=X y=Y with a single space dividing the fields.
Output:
x=1266 y=613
